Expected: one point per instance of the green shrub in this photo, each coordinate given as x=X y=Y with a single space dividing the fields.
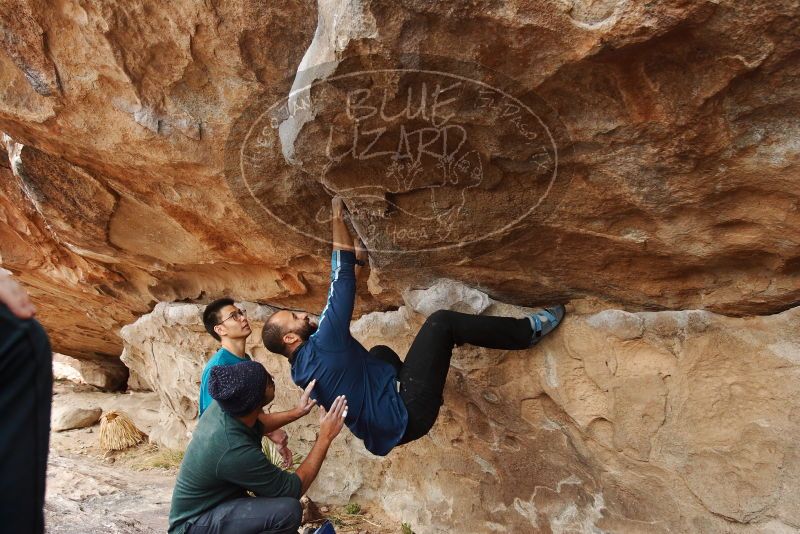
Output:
x=352 y=508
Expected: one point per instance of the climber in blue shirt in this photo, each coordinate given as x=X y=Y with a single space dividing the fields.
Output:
x=390 y=402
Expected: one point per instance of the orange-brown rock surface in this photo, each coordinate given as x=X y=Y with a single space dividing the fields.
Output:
x=637 y=156
x=675 y=125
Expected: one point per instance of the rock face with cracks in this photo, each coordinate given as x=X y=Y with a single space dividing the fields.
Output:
x=618 y=422
x=644 y=153
x=637 y=156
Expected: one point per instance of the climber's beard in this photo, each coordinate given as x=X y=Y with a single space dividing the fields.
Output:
x=306 y=330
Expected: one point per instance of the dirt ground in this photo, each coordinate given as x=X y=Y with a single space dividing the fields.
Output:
x=129 y=492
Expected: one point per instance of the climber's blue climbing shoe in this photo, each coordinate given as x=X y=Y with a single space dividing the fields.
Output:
x=545 y=321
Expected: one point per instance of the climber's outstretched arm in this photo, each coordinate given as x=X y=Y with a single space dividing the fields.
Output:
x=342 y=240
x=334 y=322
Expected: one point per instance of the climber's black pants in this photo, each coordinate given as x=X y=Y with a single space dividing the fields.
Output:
x=424 y=373
x=26 y=389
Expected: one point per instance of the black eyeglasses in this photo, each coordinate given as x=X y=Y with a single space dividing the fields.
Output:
x=238 y=314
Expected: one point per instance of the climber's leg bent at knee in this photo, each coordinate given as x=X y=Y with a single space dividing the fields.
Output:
x=424 y=372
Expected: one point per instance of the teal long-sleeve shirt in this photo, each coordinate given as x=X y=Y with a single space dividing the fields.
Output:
x=221 y=357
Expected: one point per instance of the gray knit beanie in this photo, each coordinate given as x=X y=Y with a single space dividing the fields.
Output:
x=238 y=388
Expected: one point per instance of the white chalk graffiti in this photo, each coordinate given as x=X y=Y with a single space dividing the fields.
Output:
x=419 y=143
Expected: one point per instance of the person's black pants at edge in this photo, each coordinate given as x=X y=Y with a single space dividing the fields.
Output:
x=248 y=515
x=26 y=391
x=424 y=373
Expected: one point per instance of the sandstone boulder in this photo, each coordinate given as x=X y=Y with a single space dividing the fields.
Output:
x=66 y=368
x=617 y=422
x=107 y=374
x=71 y=417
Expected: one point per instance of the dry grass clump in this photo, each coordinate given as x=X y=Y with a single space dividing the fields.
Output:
x=154 y=457
x=167 y=459
x=117 y=432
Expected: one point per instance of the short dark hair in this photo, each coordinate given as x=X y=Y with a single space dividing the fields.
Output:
x=211 y=316
x=272 y=336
